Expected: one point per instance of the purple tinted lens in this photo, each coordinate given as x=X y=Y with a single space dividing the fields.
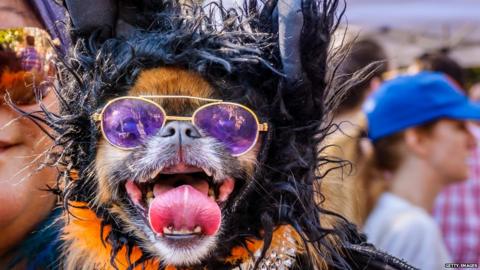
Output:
x=231 y=124
x=128 y=122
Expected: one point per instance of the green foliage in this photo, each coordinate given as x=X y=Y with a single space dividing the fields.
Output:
x=10 y=38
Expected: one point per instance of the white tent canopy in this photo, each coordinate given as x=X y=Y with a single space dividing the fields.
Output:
x=408 y=28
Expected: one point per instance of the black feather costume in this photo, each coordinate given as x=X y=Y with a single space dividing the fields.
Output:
x=271 y=57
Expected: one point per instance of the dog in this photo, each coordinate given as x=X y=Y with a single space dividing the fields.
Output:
x=187 y=138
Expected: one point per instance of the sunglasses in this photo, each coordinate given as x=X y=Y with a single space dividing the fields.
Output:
x=26 y=64
x=127 y=122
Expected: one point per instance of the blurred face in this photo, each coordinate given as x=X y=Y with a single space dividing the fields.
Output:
x=23 y=203
x=449 y=146
x=475 y=92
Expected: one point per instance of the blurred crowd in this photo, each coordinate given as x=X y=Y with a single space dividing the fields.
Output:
x=410 y=136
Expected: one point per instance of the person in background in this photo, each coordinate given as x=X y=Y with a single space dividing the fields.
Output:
x=359 y=73
x=440 y=62
x=474 y=92
x=31 y=60
x=28 y=240
x=421 y=143
x=457 y=208
x=367 y=61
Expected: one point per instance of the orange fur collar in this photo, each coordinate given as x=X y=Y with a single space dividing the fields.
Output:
x=83 y=230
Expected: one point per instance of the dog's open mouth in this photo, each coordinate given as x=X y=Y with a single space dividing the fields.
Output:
x=181 y=202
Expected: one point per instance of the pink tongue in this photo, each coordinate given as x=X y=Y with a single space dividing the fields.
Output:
x=184 y=208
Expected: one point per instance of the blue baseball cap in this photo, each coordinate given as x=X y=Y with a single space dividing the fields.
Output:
x=409 y=101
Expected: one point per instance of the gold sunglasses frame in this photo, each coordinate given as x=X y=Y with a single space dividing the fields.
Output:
x=98 y=117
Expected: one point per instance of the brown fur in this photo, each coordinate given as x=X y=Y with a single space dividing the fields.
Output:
x=173 y=81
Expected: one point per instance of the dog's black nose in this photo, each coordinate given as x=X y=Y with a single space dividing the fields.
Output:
x=183 y=130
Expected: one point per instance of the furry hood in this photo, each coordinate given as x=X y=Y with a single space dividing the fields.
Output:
x=271 y=57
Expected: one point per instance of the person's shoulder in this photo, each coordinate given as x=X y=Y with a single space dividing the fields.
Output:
x=400 y=217
x=414 y=235
x=414 y=220
x=391 y=205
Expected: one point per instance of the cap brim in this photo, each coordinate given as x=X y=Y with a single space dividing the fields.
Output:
x=467 y=111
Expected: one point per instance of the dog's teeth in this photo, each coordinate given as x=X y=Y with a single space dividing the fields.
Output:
x=182 y=232
x=211 y=193
x=149 y=201
x=167 y=230
x=208 y=172
x=149 y=197
x=156 y=172
x=171 y=230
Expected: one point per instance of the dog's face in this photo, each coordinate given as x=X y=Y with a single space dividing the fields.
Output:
x=170 y=191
